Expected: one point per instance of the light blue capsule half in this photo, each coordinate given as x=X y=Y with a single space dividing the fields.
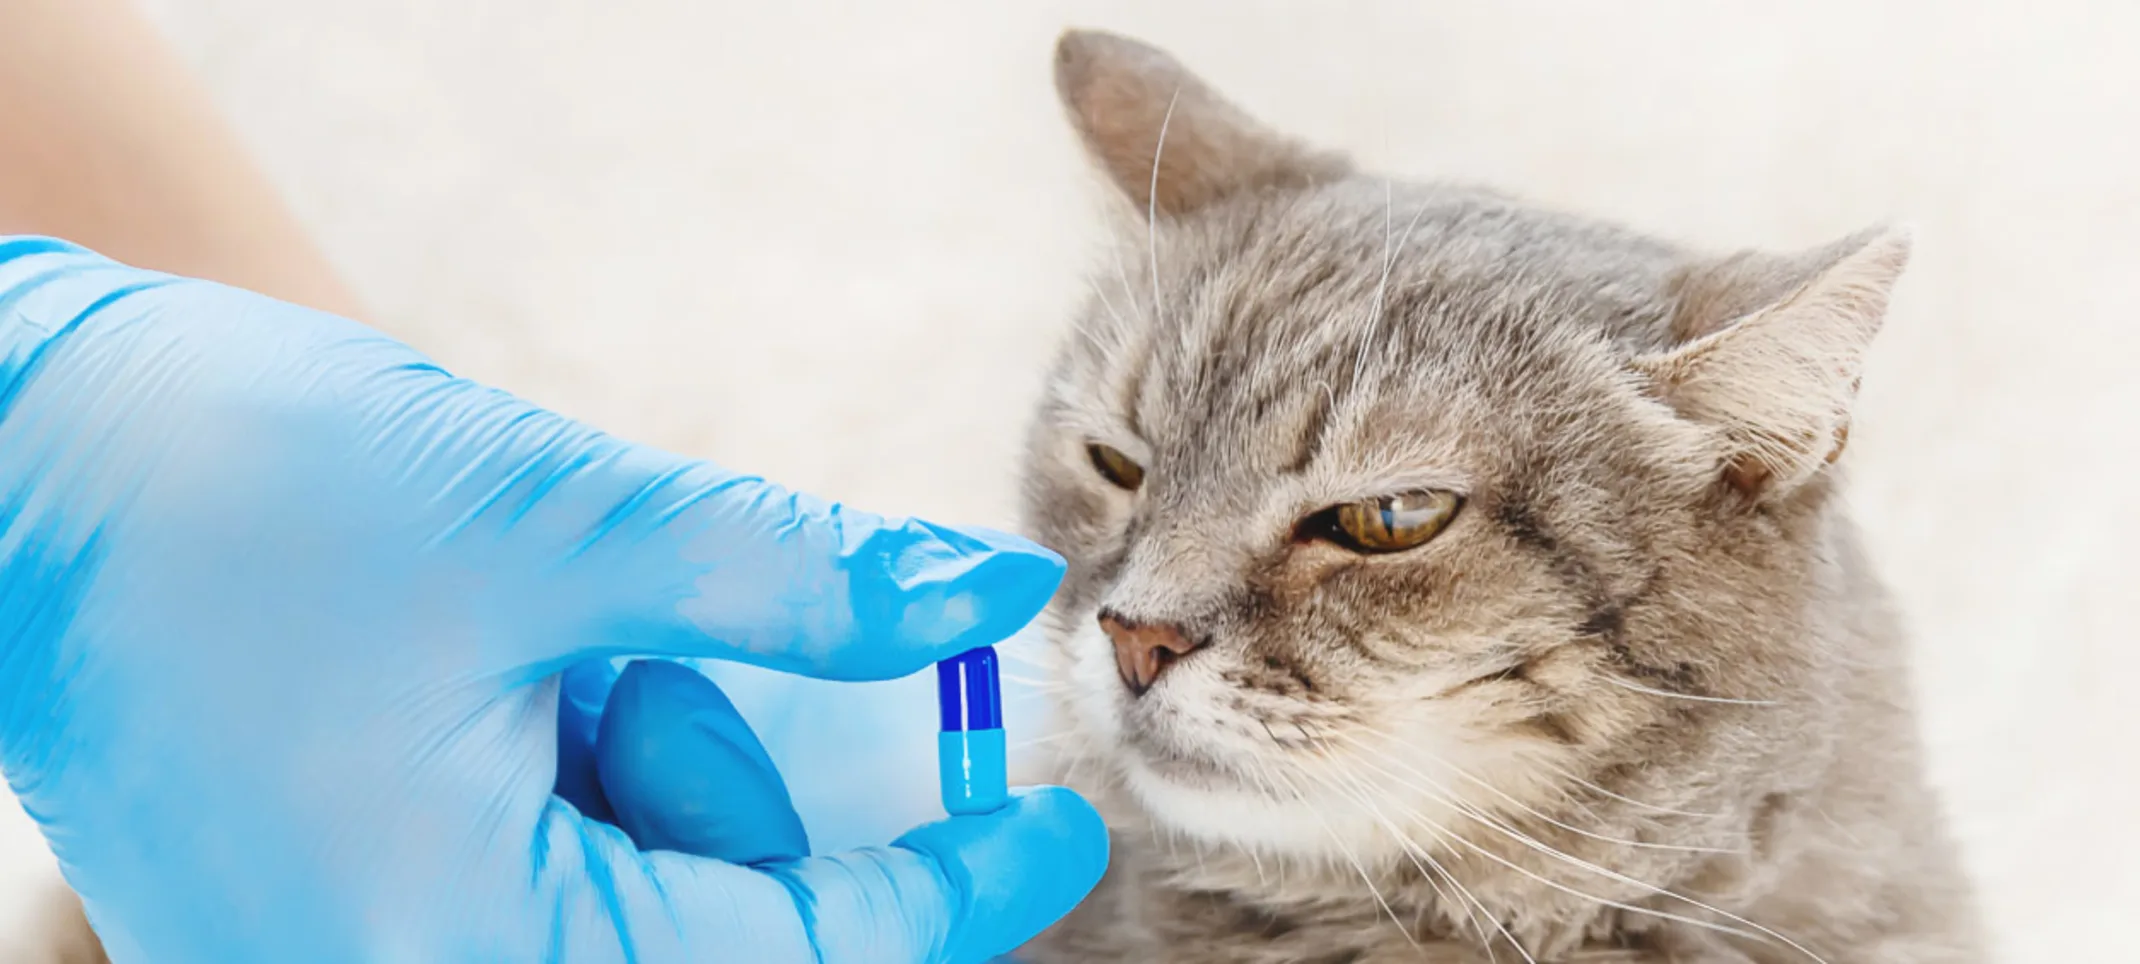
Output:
x=970 y=764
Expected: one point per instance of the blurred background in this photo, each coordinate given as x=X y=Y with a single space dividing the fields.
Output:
x=834 y=243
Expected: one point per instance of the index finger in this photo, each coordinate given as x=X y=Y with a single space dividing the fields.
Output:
x=693 y=561
x=813 y=587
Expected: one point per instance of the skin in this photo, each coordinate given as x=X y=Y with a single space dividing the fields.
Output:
x=1644 y=655
x=107 y=141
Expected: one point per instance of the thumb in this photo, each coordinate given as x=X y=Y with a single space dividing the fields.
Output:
x=687 y=776
x=961 y=891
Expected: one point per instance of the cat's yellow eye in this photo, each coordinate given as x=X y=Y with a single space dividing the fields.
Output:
x=1392 y=523
x=1115 y=467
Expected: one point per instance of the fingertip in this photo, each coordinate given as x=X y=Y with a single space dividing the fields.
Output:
x=1016 y=871
x=790 y=582
x=1023 y=556
x=946 y=590
x=1016 y=584
x=983 y=540
x=1080 y=830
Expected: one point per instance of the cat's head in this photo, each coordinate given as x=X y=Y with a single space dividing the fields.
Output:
x=1383 y=491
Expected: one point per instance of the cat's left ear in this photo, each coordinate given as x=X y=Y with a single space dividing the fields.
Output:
x=1771 y=352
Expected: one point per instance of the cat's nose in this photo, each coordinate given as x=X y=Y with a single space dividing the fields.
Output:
x=1144 y=650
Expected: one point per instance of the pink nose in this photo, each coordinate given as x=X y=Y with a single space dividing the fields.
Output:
x=1144 y=650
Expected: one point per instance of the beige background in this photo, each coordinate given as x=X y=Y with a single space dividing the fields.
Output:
x=832 y=243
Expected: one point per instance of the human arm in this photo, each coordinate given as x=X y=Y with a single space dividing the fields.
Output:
x=107 y=140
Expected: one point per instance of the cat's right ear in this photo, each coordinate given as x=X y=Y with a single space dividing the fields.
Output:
x=1169 y=141
x=1772 y=351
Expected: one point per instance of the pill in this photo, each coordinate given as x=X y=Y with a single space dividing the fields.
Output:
x=969 y=748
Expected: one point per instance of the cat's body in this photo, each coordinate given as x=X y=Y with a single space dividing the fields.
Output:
x=1599 y=672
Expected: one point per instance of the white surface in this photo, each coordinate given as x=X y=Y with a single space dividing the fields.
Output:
x=833 y=243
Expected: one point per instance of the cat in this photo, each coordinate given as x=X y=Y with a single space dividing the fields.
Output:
x=1456 y=580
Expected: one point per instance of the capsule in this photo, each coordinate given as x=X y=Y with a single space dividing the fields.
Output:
x=969 y=750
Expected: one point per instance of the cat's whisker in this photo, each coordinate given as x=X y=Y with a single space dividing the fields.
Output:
x=1263 y=784
x=1416 y=853
x=1367 y=339
x=1151 y=199
x=1528 y=841
x=1041 y=740
x=1114 y=314
x=1022 y=642
x=1051 y=676
x=1577 y=862
x=1358 y=867
x=1653 y=808
x=1619 y=905
x=1413 y=853
x=1083 y=326
x=1039 y=685
x=1567 y=797
x=1084 y=331
x=1114 y=343
x=1114 y=254
x=1668 y=694
x=1441 y=834
x=1571 y=794
x=1389 y=262
x=1077 y=764
x=1482 y=913
x=1533 y=811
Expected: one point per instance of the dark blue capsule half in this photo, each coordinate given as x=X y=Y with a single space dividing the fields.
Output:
x=969 y=691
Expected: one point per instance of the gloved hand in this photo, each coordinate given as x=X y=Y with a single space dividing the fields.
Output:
x=287 y=612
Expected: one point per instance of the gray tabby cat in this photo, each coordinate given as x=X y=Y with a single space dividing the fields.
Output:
x=1454 y=580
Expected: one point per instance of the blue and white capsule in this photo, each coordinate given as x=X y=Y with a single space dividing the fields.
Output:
x=969 y=750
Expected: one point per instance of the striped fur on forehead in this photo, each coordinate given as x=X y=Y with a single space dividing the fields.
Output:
x=1324 y=311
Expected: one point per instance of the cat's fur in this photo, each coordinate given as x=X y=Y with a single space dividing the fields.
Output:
x=1642 y=700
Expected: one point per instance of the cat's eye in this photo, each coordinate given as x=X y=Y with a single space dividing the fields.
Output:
x=1115 y=467
x=1392 y=523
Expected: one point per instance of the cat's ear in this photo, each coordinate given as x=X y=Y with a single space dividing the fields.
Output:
x=1771 y=352
x=1122 y=95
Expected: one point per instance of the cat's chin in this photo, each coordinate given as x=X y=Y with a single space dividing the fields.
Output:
x=1210 y=808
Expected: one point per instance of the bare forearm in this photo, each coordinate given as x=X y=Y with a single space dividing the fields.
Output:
x=107 y=140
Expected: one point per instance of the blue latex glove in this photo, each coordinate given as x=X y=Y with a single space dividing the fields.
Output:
x=305 y=647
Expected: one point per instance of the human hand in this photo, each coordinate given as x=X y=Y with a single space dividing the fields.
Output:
x=285 y=616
